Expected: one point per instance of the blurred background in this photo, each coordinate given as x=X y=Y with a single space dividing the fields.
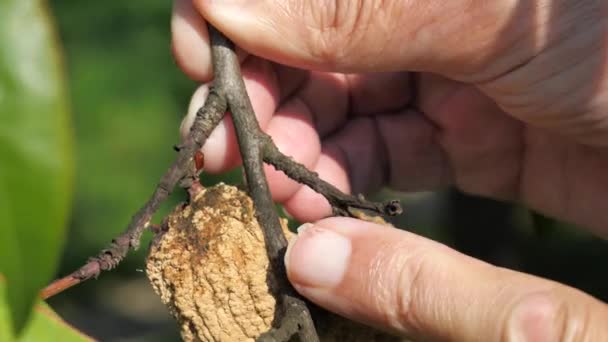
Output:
x=128 y=98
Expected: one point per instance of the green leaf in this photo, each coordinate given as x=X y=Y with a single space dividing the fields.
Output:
x=35 y=153
x=44 y=326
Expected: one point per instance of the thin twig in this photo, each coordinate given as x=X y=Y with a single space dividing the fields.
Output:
x=182 y=170
x=342 y=204
x=59 y=286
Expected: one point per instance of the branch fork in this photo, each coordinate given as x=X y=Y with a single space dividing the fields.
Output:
x=256 y=147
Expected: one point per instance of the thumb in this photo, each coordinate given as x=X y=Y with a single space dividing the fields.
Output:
x=416 y=287
x=450 y=37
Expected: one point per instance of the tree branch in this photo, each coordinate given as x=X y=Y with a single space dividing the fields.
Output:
x=182 y=170
x=228 y=77
x=342 y=204
x=256 y=148
x=250 y=139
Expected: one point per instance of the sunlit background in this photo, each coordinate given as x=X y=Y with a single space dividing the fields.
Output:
x=127 y=99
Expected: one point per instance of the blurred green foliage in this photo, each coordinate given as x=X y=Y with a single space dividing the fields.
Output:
x=45 y=325
x=35 y=154
x=128 y=99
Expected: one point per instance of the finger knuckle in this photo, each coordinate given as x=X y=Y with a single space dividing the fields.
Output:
x=546 y=316
x=404 y=287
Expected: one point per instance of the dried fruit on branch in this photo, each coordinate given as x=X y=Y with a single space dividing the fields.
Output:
x=210 y=267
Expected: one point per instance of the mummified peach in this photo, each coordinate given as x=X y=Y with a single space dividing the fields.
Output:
x=210 y=267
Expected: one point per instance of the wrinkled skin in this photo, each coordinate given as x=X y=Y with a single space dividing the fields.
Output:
x=502 y=99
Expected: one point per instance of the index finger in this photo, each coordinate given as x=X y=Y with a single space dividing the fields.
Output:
x=190 y=41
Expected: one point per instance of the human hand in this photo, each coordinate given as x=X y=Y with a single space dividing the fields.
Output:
x=518 y=113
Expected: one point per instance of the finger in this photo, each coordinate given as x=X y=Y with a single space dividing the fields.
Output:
x=289 y=79
x=221 y=151
x=364 y=152
x=332 y=97
x=491 y=154
x=307 y=205
x=196 y=102
x=484 y=146
x=293 y=133
x=370 y=35
x=407 y=284
x=190 y=41
x=357 y=157
x=379 y=92
x=351 y=160
x=398 y=149
x=327 y=96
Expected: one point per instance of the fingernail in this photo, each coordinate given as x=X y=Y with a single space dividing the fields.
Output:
x=317 y=257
